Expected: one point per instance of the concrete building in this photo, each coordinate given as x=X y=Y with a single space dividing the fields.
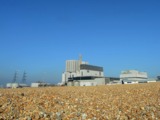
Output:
x=80 y=73
x=87 y=81
x=12 y=85
x=72 y=65
x=16 y=85
x=39 y=84
x=133 y=76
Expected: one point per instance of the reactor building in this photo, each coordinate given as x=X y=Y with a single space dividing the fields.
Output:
x=133 y=76
x=80 y=73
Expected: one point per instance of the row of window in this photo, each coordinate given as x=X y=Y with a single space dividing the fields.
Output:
x=91 y=67
x=100 y=73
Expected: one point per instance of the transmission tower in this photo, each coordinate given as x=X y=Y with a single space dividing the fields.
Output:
x=24 y=77
x=15 y=77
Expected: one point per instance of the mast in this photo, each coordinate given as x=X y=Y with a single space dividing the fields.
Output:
x=80 y=61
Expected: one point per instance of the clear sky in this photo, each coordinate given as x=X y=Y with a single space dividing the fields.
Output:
x=38 y=36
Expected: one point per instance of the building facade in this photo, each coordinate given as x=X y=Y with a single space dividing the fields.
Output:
x=72 y=65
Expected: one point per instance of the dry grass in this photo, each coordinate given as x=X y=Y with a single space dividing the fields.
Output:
x=115 y=102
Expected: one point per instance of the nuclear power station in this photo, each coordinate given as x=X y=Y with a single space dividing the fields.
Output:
x=81 y=73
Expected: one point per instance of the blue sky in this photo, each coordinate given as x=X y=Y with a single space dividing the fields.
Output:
x=39 y=36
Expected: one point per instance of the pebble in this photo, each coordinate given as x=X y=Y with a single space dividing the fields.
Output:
x=78 y=114
x=29 y=118
x=84 y=116
x=1 y=110
x=58 y=116
x=22 y=94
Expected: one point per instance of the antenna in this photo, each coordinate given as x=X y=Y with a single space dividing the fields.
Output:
x=24 y=77
x=15 y=77
x=80 y=62
x=80 y=59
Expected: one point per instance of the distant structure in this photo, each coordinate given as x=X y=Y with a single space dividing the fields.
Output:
x=15 y=84
x=24 y=78
x=133 y=76
x=39 y=84
x=80 y=73
x=15 y=77
x=158 y=78
x=23 y=83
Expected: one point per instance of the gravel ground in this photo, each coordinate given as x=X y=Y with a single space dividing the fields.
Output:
x=110 y=102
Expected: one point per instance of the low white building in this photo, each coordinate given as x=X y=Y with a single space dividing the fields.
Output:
x=39 y=84
x=9 y=85
x=16 y=85
x=12 y=85
x=133 y=76
x=87 y=81
x=35 y=84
